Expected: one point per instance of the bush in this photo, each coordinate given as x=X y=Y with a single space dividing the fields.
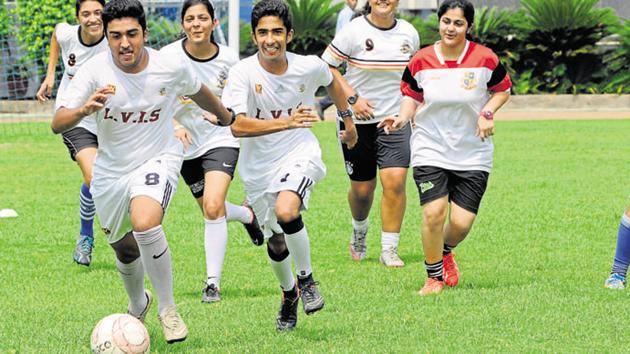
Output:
x=162 y=31
x=37 y=20
x=314 y=25
x=427 y=29
x=618 y=63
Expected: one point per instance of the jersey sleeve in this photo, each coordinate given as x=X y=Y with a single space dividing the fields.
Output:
x=409 y=86
x=323 y=76
x=190 y=83
x=81 y=87
x=236 y=91
x=339 y=50
x=500 y=79
x=63 y=34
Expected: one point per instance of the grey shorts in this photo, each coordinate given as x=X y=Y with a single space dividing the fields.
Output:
x=77 y=139
x=219 y=159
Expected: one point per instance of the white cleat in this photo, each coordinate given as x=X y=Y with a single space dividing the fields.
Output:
x=389 y=257
x=175 y=329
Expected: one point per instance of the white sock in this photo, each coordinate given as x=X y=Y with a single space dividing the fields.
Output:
x=360 y=225
x=238 y=213
x=215 y=244
x=156 y=258
x=282 y=271
x=300 y=249
x=389 y=239
x=132 y=275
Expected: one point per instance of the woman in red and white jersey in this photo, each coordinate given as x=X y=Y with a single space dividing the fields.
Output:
x=452 y=90
x=377 y=48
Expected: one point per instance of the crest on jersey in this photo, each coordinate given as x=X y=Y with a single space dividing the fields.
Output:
x=468 y=81
x=349 y=167
x=301 y=88
x=405 y=48
x=258 y=88
x=369 y=44
x=184 y=99
x=72 y=59
x=222 y=78
x=163 y=91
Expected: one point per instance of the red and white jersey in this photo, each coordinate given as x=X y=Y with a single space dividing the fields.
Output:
x=213 y=72
x=453 y=92
x=74 y=53
x=136 y=123
x=262 y=95
x=376 y=60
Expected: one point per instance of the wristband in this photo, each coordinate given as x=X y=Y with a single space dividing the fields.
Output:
x=353 y=99
x=487 y=114
x=345 y=114
x=231 y=121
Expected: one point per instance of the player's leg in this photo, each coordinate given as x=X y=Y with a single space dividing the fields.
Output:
x=467 y=190
x=280 y=261
x=393 y=205
x=432 y=183
x=392 y=156
x=617 y=278
x=361 y=169
x=153 y=185
x=287 y=210
x=82 y=147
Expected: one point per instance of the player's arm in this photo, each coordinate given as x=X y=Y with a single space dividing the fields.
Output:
x=485 y=121
x=45 y=90
x=362 y=108
x=66 y=118
x=211 y=103
x=336 y=91
x=182 y=134
x=408 y=109
x=302 y=117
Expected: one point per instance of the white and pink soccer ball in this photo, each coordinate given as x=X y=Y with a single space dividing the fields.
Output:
x=120 y=334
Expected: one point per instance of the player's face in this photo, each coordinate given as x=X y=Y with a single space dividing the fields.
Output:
x=126 y=42
x=90 y=18
x=198 y=24
x=453 y=27
x=272 y=38
x=383 y=8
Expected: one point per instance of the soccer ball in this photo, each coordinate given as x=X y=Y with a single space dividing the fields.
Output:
x=120 y=334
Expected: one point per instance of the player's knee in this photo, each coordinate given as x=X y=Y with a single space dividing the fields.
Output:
x=362 y=193
x=286 y=213
x=277 y=254
x=88 y=180
x=213 y=209
x=144 y=224
x=126 y=249
x=276 y=245
x=434 y=217
x=394 y=189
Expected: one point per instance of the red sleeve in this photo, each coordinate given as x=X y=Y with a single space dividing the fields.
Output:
x=409 y=85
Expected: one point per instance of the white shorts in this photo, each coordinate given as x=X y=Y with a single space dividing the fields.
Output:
x=299 y=177
x=157 y=178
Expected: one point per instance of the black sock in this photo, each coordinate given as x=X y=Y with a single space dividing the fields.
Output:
x=434 y=270
x=290 y=294
x=308 y=278
x=447 y=249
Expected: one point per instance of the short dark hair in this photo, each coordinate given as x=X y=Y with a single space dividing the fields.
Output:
x=78 y=4
x=276 y=8
x=117 y=9
x=206 y=3
x=465 y=5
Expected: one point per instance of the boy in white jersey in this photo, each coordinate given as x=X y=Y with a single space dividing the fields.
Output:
x=77 y=45
x=211 y=152
x=376 y=47
x=279 y=163
x=132 y=91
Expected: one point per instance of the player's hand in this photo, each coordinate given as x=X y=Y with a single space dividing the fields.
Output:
x=97 y=101
x=349 y=136
x=303 y=117
x=363 y=109
x=392 y=123
x=184 y=136
x=210 y=117
x=485 y=128
x=45 y=90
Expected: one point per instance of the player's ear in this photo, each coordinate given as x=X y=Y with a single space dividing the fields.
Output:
x=215 y=23
x=145 y=35
x=254 y=38
x=290 y=36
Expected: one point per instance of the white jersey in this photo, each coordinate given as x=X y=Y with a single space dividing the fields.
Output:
x=213 y=73
x=453 y=94
x=136 y=123
x=259 y=94
x=376 y=60
x=74 y=53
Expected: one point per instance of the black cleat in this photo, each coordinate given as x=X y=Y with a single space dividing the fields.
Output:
x=253 y=228
x=287 y=316
x=210 y=294
x=312 y=300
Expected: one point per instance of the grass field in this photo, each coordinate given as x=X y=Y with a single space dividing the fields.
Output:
x=533 y=266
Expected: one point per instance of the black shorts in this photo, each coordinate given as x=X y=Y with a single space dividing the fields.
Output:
x=375 y=149
x=77 y=139
x=219 y=159
x=465 y=188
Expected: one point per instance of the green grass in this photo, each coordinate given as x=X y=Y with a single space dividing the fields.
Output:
x=533 y=266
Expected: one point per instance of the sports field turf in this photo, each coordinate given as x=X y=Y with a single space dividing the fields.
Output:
x=533 y=266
